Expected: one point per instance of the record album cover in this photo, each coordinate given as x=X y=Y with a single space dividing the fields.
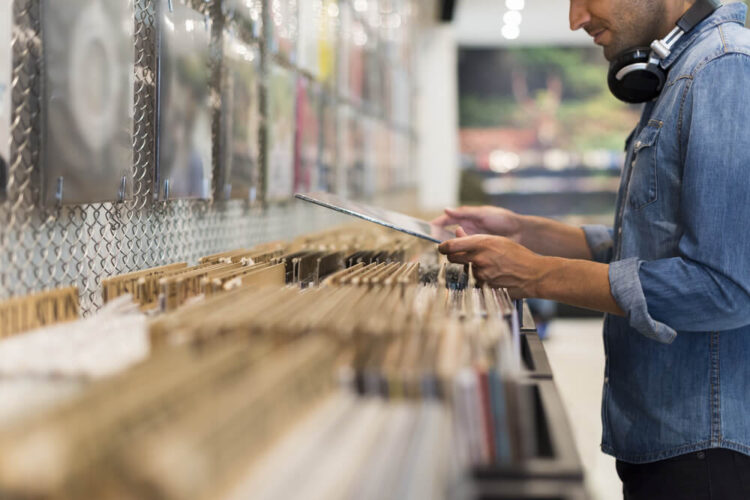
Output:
x=316 y=48
x=351 y=153
x=184 y=109
x=87 y=108
x=310 y=13
x=327 y=180
x=240 y=120
x=354 y=40
x=283 y=27
x=246 y=16
x=307 y=144
x=281 y=121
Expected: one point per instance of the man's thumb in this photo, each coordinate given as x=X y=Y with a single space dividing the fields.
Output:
x=460 y=233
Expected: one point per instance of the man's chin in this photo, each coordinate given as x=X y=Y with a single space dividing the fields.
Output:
x=609 y=53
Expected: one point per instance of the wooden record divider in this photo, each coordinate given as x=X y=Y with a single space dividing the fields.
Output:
x=21 y=314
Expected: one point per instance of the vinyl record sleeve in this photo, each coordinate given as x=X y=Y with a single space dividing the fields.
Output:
x=310 y=13
x=388 y=218
x=283 y=27
x=307 y=144
x=246 y=16
x=383 y=161
x=240 y=120
x=356 y=61
x=87 y=109
x=328 y=176
x=327 y=42
x=6 y=15
x=369 y=150
x=353 y=39
x=281 y=133
x=184 y=111
x=351 y=153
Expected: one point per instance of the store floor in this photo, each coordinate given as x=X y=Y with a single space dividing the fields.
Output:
x=576 y=354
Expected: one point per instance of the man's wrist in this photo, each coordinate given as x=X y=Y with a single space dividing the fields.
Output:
x=544 y=268
x=525 y=231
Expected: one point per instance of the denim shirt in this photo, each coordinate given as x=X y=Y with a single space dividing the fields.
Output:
x=677 y=376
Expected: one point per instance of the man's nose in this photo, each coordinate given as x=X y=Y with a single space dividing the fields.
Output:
x=579 y=14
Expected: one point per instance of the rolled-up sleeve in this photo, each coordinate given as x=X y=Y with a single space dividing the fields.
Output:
x=600 y=240
x=627 y=290
x=706 y=287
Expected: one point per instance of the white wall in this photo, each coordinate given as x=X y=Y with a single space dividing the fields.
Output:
x=437 y=116
x=545 y=22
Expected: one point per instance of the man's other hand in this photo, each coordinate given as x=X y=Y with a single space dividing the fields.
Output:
x=483 y=220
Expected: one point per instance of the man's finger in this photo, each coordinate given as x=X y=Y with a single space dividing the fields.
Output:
x=460 y=257
x=460 y=233
x=464 y=213
x=443 y=220
x=462 y=244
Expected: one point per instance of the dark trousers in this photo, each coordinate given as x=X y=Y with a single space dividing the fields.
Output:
x=714 y=474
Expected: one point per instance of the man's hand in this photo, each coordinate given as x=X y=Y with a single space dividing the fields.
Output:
x=483 y=220
x=497 y=261
x=538 y=234
x=503 y=263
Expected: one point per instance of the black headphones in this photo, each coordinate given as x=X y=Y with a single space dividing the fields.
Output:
x=635 y=75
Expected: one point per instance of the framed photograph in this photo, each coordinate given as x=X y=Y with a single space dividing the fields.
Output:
x=239 y=152
x=87 y=101
x=183 y=100
x=283 y=27
x=6 y=22
x=282 y=91
x=307 y=143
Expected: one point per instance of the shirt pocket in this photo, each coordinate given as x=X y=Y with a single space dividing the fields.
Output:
x=643 y=186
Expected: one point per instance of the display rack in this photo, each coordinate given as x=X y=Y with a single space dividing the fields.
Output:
x=554 y=471
x=45 y=247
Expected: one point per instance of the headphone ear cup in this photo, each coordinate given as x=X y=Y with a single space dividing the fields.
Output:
x=633 y=79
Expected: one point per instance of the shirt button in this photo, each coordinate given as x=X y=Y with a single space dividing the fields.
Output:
x=606 y=380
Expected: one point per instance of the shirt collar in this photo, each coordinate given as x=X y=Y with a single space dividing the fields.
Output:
x=730 y=13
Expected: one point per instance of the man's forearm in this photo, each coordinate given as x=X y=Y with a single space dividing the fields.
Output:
x=550 y=237
x=575 y=282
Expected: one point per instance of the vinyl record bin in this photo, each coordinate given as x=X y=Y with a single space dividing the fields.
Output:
x=555 y=471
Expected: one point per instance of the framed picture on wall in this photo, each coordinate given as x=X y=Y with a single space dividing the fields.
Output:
x=87 y=101
x=6 y=22
x=244 y=17
x=239 y=154
x=184 y=114
x=280 y=133
x=307 y=144
x=283 y=28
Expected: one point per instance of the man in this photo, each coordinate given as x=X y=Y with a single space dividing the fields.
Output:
x=674 y=272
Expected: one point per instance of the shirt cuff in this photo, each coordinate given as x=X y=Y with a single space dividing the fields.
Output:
x=627 y=291
x=600 y=241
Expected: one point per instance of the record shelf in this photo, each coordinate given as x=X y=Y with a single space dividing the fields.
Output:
x=555 y=472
